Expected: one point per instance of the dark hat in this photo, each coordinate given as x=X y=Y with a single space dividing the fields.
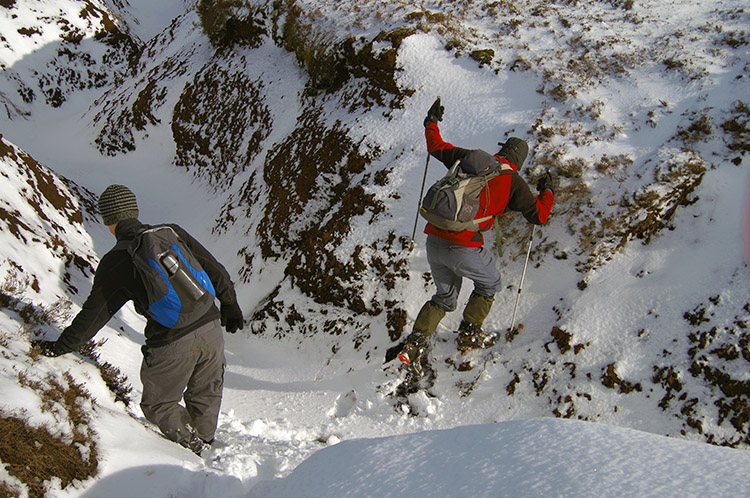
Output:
x=117 y=203
x=514 y=150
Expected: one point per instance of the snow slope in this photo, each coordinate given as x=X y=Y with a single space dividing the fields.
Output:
x=648 y=340
x=539 y=457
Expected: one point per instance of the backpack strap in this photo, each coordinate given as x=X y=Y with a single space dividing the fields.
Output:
x=479 y=221
x=124 y=245
x=506 y=169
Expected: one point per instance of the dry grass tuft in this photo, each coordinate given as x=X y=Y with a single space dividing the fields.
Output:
x=37 y=455
x=116 y=381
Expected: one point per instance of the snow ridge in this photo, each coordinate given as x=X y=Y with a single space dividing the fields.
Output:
x=634 y=310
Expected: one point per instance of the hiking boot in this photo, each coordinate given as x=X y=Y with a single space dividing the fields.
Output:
x=414 y=347
x=471 y=336
x=195 y=443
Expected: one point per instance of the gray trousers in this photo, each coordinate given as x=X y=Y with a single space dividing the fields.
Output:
x=190 y=368
x=450 y=263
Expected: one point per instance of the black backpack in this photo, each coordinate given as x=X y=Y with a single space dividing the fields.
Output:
x=178 y=289
x=452 y=203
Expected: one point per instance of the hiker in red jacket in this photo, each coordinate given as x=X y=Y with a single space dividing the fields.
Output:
x=453 y=255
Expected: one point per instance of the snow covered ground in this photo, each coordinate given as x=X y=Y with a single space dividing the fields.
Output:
x=541 y=457
x=300 y=420
x=524 y=458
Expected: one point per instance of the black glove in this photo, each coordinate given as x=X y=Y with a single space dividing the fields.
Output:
x=47 y=348
x=547 y=182
x=435 y=113
x=231 y=317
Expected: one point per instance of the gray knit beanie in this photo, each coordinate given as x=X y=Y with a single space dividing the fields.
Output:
x=117 y=203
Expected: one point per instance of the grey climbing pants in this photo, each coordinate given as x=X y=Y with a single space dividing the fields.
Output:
x=190 y=368
x=450 y=263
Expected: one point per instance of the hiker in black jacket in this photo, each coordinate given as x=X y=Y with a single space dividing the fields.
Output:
x=178 y=363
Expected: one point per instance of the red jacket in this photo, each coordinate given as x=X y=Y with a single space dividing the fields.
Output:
x=503 y=193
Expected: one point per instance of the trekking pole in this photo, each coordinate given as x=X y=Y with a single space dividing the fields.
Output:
x=523 y=274
x=419 y=201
